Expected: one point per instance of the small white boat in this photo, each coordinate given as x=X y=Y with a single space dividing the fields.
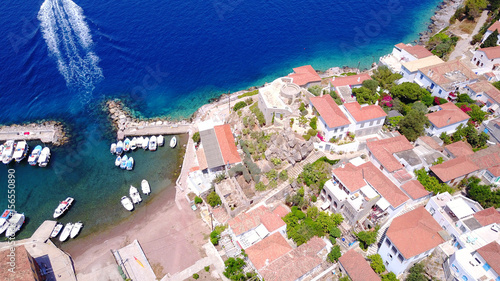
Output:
x=152 y=143
x=127 y=203
x=8 y=152
x=119 y=147
x=15 y=223
x=145 y=143
x=63 y=207
x=4 y=219
x=173 y=142
x=118 y=161
x=139 y=142
x=134 y=194
x=161 y=140
x=126 y=145
x=146 y=189
x=130 y=164
x=44 y=158
x=123 y=164
x=113 y=148
x=76 y=229
x=32 y=160
x=21 y=151
x=66 y=232
x=133 y=143
x=56 y=230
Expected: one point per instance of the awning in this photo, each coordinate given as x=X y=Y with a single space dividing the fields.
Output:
x=325 y=205
x=383 y=204
x=460 y=208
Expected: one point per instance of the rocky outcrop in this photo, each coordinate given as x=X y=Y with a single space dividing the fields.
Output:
x=287 y=147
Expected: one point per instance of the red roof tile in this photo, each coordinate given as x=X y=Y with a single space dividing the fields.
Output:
x=491 y=254
x=415 y=189
x=383 y=149
x=431 y=142
x=250 y=220
x=357 y=267
x=363 y=113
x=383 y=185
x=350 y=80
x=459 y=148
x=304 y=74
x=448 y=115
x=23 y=270
x=417 y=51
x=491 y=52
x=329 y=111
x=268 y=250
x=350 y=176
x=494 y=26
x=487 y=216
x=487 y=88
x=226 y=143
x=202 y=160
x=415 y=232
x=495 y=171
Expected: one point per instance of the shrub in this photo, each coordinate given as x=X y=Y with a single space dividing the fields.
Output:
x=207 y=268
x=258 y=114
x=314 y=198
x=291 y=122
x=196 y=137
x=260 y=186
x=334 y=254
x=377 y=263
x=249 y=94
x=366 y=238
x=249 y=101
x=431 y=183
x=239 y=105
x=196 y=276
x=213 y=199
x=198 y=200
x=276 y=161
x=283 y=175
x=220 y=177
x=315 y=90
x=314 y=123
x=302 y=107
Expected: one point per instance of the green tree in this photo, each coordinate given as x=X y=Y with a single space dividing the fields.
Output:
x=315 y=90
x=371 y=84
x=476 y=114
x=465 y=98
x=482 y=193
x=417 y=273
x=198 y=200
x=196 y=137
x=445 y=138
x=431 y=183
x=260 y=186
x=283 y=175
x=408 y=92
x=312 y=212
x=213 y=199
x=334 y=254
x=389 y=277
x=377 y=263
x=413 y=125
x=314 y=123
x=365 y=95
x=196 y=276
x=366 y=238
x=234 y=270
x=385 y=77
x=239 y=105
x=419 y=106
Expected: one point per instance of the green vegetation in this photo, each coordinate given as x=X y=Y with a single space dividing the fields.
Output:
x=419 y=106
x=469 y=134
x=248 y=94
x=476 y=114
x=408 y=92
x=417 y=273
x=431 y=183
x=394 y=121
x=345 y=278
x=366 y=238
x=240 y=170
x=297 y=199
x=491 y=41
x=260 y=186
x=413 y=124
x=482 y=193
x=220 y=177
x=385 y=77
x=215 y=235
x=336 y=97
x=196 y=137
x=471 y=10
x=258 y=114
x=377 y=263
x=256 y=146
x=371 y=84
x=207 y=268
x=198 y=200
x=213 y=199
x=389 y=277
x=334 y=254
x=315 y=174
x=234 y=270
x=315 y=90
x=438 y=161
x=441 y=44
x=283 y=175
x=239 y=105
x=365 y=95
x=310 y=133
x=465 y=98
x=196 y=276
x=314 y=123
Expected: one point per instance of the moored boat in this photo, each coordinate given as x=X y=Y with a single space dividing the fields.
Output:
x=118 y=161
x=173 y=142
x=146 y=189
x=32 y=160
x=66 y=232
x=63 y=207
x=76 y=229
x=152 y=143
x=145 y=143
x=4 y=219
x=161 y=140
x=133 y=143
x=15 y=223
x=119 y=148
x=126 y=145
x=21 y=151
x=127 y=203
x=8 y=151
x=130 y=163
x=44 y=158
x=139 y=142
x=113 y=148
x=123 y=164
x=56 y=230
x=134 y=194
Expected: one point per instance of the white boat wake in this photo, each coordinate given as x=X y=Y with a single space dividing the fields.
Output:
x=69 y=41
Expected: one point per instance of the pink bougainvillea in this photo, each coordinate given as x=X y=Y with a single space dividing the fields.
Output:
x=437 y=101
x=465 y=108
x=387 y=101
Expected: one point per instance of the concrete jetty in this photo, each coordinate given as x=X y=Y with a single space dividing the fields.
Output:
x=47 y=132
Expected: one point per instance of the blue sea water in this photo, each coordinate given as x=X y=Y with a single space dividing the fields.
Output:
x=61 y=58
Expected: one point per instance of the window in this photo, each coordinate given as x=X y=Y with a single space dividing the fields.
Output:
x=421 y=76
x=455 y=268
x=432 y=211
x=334 y=131
x=387 y=242
x=371 y=123
x=390 y=256
x=432 y=86
x=400 y=258
x=464 y=278
x=362 y=125
x=440 y=91
x=394 y=249
x=486 y=267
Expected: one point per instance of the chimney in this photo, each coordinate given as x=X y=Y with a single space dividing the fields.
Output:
x=359 y=79
x=429 y=73
x=448 y=122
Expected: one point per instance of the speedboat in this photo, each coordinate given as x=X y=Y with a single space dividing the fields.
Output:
x=76 y=229
x=130 y=163
x=118 y=161
x=34 y=155
x=113 y=148
x=134 y=194
x=8 y=151
x=145 y=143
x=126 y=145
x=145 y=187
x=173 y=142
x=63 y=207
x=4 y=219
x=2 y=147
x=21 y=151
x=133 y=143
x=127 y=203
x=44 y=158
x=15 y=223
x=119 y=148
x=152 y=143
x=161 y=140
x=139 y=141
x=66 y=232
x=123 y=164
x=56 y=230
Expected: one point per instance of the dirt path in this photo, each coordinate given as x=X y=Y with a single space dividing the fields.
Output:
x=463 y=45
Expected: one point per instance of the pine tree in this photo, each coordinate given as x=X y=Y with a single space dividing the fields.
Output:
x=491 y=41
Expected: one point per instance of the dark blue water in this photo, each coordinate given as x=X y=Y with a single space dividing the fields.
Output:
x=61 y=59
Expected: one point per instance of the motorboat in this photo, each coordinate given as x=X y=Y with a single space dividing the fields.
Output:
x=32 y=160
x=8 y=151
x=15 y=223
x=146 y=189
x=130 y=164
x=66 y=232
x=145 y=143
x=76 y=229
x=134 y=194
x=113 y=148
x=119 y=147
x=56 y=230
x=133 y=143
x=152 y=143
x=123 y=164
x=160 y=140
x=44 y=158
x=21 y=151
x=173 y=142
x=118 y=161
x=126 y=145
x=139 y=142
x=127 y=203
x=63 y=207
x=2 y=147
x=4 y=219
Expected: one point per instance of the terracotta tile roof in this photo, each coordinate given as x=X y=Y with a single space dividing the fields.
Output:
x=487 y=88
x=417 y=51
x=296 y=263
x=459 y=148
x=491 y=254
x=250 y=220
x=487 y=216
x=454 y=168
x=383 y=149
x=304 y=74
x=400 y=45
x=383 y=185
x=415 y=232
x=357 y=267
x=363 y=113
x=22 y=265
x=495 y=171
x=350 y=80
x=438 y=73
x=415 y=189
x=329 y=111
x=202 y=160
x=269 y=249
x=226 y=144
x=491 y=52
x=350 y=176
x=494 y=26
x=448 y=115
x=487 y=158
x=431 y=142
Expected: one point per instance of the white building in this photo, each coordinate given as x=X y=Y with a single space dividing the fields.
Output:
x=446 y=119
x=344 y=85
x=332 y=121
x=487 y=59
x=402 y=53
x=365 y=119
x=491 y=29
x=273 y=98
x=410 y=69
x=486 y=93
x=305 y=76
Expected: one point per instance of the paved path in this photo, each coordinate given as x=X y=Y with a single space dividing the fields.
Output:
x=463 y=44
x=164 y=129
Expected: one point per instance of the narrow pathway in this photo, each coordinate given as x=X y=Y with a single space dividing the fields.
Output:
x=463 y=45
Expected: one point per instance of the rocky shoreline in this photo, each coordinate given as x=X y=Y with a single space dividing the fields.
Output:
x=445 y=10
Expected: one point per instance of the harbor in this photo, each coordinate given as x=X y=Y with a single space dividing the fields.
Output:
x=48 y=132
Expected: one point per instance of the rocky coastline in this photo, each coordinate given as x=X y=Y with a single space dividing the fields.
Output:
x=441 y=19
